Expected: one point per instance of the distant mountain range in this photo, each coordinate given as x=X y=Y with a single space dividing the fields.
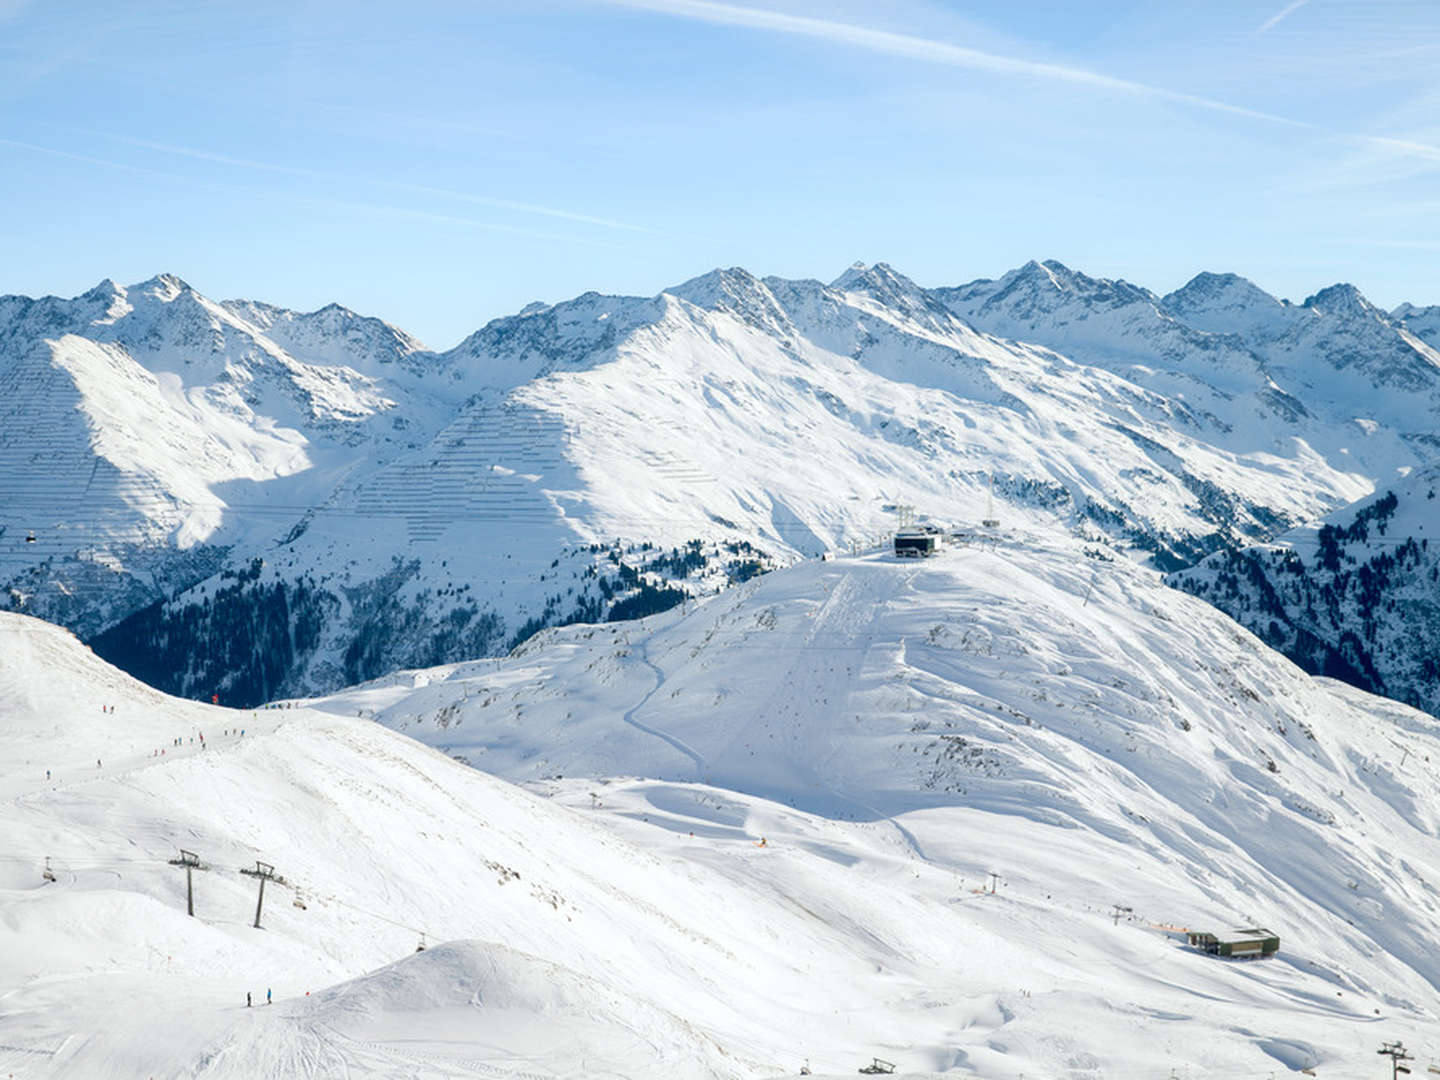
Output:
x=237 y=499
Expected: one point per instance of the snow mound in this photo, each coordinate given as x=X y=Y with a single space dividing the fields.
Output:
x=514 y=1005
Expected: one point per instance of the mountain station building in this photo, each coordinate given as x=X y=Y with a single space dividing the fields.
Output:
x=1250 y=943
x=916 y=545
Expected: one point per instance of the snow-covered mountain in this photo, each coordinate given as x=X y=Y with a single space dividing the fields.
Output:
x=1423 y=322
x=1353 y=595
x=238 y=499
x=948 y=814
x=146 y=433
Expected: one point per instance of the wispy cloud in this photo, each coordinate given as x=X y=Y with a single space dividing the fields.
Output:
x=206 y=155
x=393 y=185
x=1284 y=13
x=339 y=204
x=931 y=51
x=1408 y=147
x=451 y=219
x=50 y=151
x=522 y=207
x=960 y=56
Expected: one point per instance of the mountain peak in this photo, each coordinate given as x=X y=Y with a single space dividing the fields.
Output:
x=880 y=279
x=1051 y=284
x=1048 y=275
x=1209 y=283
x=1423 y=322
x=163 y=287
x=109 y=298
x=1223 y=303
x=735 y=290
x=1055 y=271
x=104 y=289
x=725 y=279
x=1343 y=299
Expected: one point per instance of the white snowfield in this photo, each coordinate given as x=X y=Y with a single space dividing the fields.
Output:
x=153 y=443
x=752 y=833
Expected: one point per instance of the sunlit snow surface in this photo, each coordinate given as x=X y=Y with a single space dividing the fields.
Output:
x=618 y=914
x=158 y=445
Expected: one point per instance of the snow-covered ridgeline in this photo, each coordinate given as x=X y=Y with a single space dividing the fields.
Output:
x=314 y=498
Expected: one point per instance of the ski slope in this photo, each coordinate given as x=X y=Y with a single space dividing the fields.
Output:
x=692 y=887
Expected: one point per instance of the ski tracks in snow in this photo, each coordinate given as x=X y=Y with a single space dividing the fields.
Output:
x=843 y=626
x=702 y=770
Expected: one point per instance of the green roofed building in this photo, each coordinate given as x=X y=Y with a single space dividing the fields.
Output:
x=1249 y=943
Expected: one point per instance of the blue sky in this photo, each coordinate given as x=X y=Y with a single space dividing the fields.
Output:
x=438 y=163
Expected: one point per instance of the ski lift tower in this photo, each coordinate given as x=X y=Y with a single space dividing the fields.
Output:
x=265 y=872
x=990 y=521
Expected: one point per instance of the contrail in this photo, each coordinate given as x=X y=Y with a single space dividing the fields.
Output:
x=960 y=56
x=935 y=52
x=1283 y=13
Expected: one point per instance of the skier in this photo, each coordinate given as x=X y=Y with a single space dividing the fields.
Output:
x=267 y=995
x=97 y=763
x=247 y=999
x=47 y=774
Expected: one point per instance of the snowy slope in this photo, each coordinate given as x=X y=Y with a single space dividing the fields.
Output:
x=1068 y=721
x=148 y=433
x=1352 y=595
x=1423 y=322
x=1115 y=739
x=358 y=503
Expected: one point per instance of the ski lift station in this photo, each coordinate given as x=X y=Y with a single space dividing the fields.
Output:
x=1252 y=942
x=916 y=544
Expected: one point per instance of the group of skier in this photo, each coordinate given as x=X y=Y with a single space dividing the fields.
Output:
x=179 y=740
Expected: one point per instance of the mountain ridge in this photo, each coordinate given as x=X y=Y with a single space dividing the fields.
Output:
x=575 y=424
